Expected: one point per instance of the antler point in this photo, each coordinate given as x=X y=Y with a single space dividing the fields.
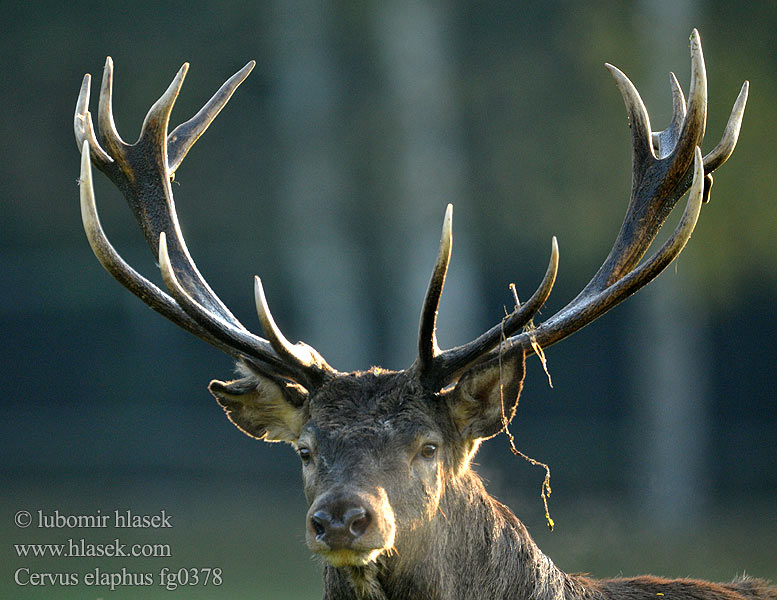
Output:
x=163 y=256
x=180 y=76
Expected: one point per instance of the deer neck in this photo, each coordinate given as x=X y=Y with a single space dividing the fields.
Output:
x=473 y=548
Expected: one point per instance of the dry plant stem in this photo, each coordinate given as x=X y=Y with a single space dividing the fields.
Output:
x=529 y=329
x=545 y=490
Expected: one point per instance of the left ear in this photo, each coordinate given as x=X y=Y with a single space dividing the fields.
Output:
x=263 y=407
x=485 y=398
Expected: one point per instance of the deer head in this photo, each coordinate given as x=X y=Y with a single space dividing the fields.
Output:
x=385 y=455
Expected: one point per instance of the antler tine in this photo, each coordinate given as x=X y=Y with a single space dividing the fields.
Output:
x=182 y=138
x=678 y=104
x=299 y=353
x=109 y=136
x=725 y=147
x=84 y=127
x=664 y=141
x=157 y=118
x=450 y=364
x=695 y=121
x=238 y=339
x=427 y=328
x=434 y=367
x=639 y=121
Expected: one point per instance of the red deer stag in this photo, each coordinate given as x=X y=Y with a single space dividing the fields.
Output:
x=395 y=509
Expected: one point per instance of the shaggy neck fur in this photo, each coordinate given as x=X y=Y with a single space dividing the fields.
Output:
x=473 y=548
x=476 y=549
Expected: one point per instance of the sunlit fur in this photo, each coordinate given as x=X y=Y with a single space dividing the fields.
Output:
x=436 y=534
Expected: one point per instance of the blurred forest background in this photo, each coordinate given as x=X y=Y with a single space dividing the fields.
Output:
x=328 y=174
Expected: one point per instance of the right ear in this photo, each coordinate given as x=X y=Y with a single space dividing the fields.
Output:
x=485 y=398
x=263 y=407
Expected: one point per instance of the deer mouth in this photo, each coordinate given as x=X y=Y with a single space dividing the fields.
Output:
x=347 y=557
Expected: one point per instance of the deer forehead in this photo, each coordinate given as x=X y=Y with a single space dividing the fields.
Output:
x=374 y=408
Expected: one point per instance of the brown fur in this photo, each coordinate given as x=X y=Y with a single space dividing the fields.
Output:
x=436 y=533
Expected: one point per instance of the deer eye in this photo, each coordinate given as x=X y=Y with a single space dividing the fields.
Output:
x=428 y=451
x=304 y=454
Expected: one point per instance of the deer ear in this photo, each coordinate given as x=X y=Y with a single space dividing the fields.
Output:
x=263 y=407
x=485 y=398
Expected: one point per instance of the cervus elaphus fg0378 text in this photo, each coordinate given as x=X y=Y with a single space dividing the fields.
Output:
x=394 y=507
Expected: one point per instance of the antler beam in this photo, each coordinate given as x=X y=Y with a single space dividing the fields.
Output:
x=143 y=172
x=435 y=367
x=665 y=165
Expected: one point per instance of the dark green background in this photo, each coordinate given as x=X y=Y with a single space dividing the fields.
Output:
x=328 y=174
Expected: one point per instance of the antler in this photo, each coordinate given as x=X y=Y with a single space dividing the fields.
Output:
x=665 y=165
x=435 y=367
x=143 y=172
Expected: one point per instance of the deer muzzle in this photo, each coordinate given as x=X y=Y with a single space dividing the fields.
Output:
x=351 y=527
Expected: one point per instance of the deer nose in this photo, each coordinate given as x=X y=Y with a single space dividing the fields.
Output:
x=340 y=526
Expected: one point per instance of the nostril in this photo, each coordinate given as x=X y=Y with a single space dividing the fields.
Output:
x=357 y=520
x=320 y=522
x=340 y=523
